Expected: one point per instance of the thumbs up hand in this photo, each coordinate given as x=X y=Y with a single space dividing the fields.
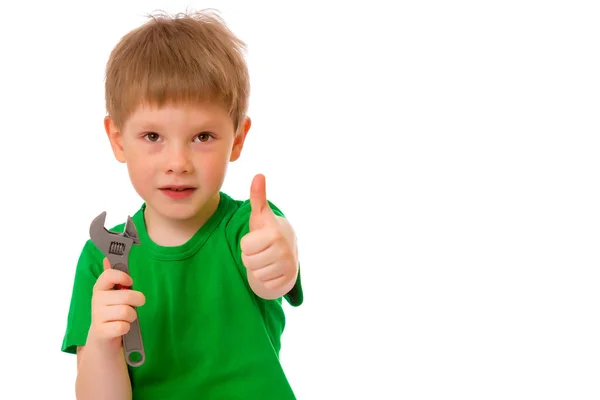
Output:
x=269 y=250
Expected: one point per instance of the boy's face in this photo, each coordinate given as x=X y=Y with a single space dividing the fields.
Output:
x=177 y=155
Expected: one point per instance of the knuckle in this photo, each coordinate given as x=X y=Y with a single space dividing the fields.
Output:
x=122 y=313
x=273 y=284
x=288 y=267
x=110 y=273
x=245 y=259
x=106 y=278
x=273 y=234
x=121 y=328
x=131 y=315
x=128 y=296
x=122 y=278
x=126 y=313
x=262 y=275
x=254 y=273
x=134 y=298
x=282 y=252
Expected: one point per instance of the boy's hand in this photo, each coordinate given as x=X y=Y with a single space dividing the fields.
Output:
x=269 y=250
x=112 y=310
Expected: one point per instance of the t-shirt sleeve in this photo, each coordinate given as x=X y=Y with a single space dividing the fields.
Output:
x=89 y=267
x=238 y=227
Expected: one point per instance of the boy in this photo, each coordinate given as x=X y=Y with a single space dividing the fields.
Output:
x=211 y=272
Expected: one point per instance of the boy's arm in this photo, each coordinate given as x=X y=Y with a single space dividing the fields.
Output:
x=101 y=373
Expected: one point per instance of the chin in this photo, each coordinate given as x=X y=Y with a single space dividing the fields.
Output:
x=179 y=212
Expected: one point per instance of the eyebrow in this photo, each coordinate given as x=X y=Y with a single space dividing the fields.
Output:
x=148 y=127
x=209 y=126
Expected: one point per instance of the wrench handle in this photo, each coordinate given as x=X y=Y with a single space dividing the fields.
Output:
x=133 y=345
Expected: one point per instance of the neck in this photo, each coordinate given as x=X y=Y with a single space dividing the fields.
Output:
x=176 y=232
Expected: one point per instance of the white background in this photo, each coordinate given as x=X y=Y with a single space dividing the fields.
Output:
x=439 y=161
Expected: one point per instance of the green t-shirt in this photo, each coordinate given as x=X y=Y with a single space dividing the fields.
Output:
x=206 y=334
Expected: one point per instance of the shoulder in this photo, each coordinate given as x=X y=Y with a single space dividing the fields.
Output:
x=89 y=263
x=90 y=252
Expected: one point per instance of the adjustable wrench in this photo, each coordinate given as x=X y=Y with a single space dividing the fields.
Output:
x=116 y=247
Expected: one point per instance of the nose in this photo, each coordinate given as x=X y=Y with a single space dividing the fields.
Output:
x=179 y=160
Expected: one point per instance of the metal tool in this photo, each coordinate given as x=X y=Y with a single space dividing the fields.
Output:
x=116 y=247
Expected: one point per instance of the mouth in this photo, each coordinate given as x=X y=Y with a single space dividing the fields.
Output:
x=177 y=188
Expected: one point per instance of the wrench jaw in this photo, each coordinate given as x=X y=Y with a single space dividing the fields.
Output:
x=98 y=231
x=131 y=232
x=114 y=246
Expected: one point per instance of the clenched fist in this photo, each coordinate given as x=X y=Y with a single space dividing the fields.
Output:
x=112 y=310
x=269 y=250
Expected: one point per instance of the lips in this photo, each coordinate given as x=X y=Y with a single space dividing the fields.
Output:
x=177 y=188
x=178 y=192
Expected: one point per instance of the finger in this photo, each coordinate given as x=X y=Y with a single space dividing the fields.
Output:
x=258 y=194
x=126 y=297
x=258 y=241
x=116 y=328
x=118 y=313
x=111 y=277
x=275 y=283
x=262 y=259
x=117 y=286
x=267 y=273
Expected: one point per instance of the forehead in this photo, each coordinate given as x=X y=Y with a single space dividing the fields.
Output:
x=179 y=113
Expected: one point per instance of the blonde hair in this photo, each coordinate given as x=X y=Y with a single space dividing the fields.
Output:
x=187 y=57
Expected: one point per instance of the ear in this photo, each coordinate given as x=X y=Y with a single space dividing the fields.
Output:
x=238 y=141
x=115 y=138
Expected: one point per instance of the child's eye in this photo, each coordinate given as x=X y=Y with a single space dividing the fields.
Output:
x=204 y=137
x=152 y=136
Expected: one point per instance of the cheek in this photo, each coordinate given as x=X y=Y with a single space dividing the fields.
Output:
x=140 y=168
x=140 y=176
x=212 y=166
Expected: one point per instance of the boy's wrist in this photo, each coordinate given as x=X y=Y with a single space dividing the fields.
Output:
x=104 y=345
